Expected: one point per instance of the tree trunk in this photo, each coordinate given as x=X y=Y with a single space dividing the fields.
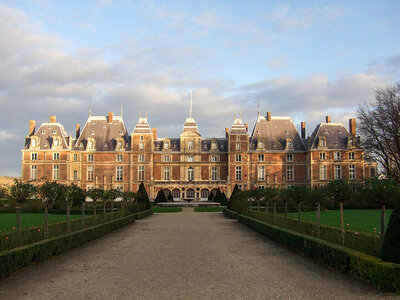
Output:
x=299 y=218
x=18 y=220
x=83 y=213
x=258 y=205
x=46 y=221
x=286 y=213
x=94 y=207
x=341 y=221
x=319 y=217
x=68 y=217
x=104 y=207
x=383 y=222
x=266 y=206
x=123 y=206
x=274 y=211
x=112 y=205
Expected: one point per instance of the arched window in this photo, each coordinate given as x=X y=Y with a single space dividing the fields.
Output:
x=56 y=143
x=176 y=194
x=90 y=146
x=204 y=193
x=33 y=143
x=190 y=194
x=190 y=174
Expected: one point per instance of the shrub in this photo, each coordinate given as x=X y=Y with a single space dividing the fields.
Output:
x=142 y=196
x=391 y=242
x=160 y=197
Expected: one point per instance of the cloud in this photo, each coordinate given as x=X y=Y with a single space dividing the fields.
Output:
x=5 y=135
x=393 y=63
x=279 y=63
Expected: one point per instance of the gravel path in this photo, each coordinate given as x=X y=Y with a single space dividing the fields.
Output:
x=184 y=255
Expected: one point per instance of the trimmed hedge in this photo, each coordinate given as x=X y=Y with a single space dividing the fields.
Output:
x=143 y=214
x=230 y=213
x=363 y=242
x=12 y=260
x=385 y=276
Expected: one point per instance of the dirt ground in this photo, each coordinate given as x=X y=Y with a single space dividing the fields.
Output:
x=184 y=255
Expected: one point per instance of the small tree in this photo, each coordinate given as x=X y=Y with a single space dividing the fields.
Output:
x=21 y=191
x=126 y=196
x=235 y=190
x=73 y=195
x=112 y=194
x=272 y=194
x=210 y=196
x=318 y=196
x=391 y=243
x=170 y=198
x=49 y=192
x=142 y=196
x=301 y=195
x=95 y=194
x=160 y=197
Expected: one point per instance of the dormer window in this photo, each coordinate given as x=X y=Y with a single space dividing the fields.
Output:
x=54 y=132
x=289 y=144
x=34 y=142
x=213 y=146
x=190 y=145
x=260 y=144
x=120 y=144
x=166 y=145
x=351 y=142
x=321 y=142
x=91 y=145
x=56 y=142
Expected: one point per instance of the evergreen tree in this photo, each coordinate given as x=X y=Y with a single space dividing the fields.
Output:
x=160 y=197
x=170 y=198
x=224 y=199
x=142 y=196
x=235 y=190
x=391 y=242
x=210 y=197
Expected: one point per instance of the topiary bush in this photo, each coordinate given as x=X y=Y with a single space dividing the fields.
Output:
x=391 y=244
x=160 y=197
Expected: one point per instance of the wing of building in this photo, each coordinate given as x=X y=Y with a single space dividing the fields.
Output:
x=190 y=166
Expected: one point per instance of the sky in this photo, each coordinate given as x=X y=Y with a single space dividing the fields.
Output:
x=304 y=59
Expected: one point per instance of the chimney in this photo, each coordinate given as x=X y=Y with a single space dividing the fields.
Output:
x=154 y=131
x=352 y=126
x=247 y=126
x=32 y=125
x=226 y=132
x=110 y=117
x=303 y=130
x=53 y=119
x=78 y=130
x=269 y=116
x=328 y=119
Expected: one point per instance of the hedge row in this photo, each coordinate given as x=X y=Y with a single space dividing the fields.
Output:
x=385 y=276
x=143 y=214
x=363 y=242
x=12 y=260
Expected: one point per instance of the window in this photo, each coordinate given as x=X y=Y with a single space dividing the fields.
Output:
x=289 y=173
x=75 y=157
x=90 y=173
x=322 y=156
x=33 y=142
x=238 y=157
x=90 y=157
x=214 y=173
x=260 y=157
x=33 y=156
x=119 y=145
x=120 y=188
x=289 y=144
x=167 y=158
x=238 y=138
x=56 y=156
x=89 y=187
x=322 y=142
x=261 y=173
x=56 y=143
x=33 y=172
x=141 y=137
x=322 y=172
x=190 y=158
x=56 y=172
x=166 y=174
x=289 y=157
x=260 y=144
x=190 y=145
x=141 y=157
x=54 y=132
x=141 y=173
x=238 y=173
x=75 y=175
x=190 y=174
x=351 y=156
x=90 y=145
x=166 y=145
x=237 y=146
x=336 y=156
x=338 y=171
x=141 y=146
x=120 y=157
x=120 y=173
x=373 y=172
x=213 y=146
x=214 y=158
x=204 y=193
x=261 y=187
x=352 y=171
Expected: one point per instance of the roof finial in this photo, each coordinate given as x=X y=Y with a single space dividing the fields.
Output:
x=90 y=108
x=140 y=114
x=258 y=106
x=190 y=112
x=120 y=107
x=234 y=116
x=146 y=115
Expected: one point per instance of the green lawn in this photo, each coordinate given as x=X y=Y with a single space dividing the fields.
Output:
x=157 y=209
x=8 y=221
x=209 y=209
x=365 y=220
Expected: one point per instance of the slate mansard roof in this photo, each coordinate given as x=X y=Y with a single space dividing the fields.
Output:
x=274 y=134
x=336 y=136
x=105 y=133
x=46 y=134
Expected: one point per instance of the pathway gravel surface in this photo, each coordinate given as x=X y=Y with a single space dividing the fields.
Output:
x=184 y=255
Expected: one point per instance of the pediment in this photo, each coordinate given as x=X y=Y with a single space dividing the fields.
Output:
x=190 y=134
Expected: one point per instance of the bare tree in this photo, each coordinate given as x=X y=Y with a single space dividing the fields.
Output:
x=380 y=129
